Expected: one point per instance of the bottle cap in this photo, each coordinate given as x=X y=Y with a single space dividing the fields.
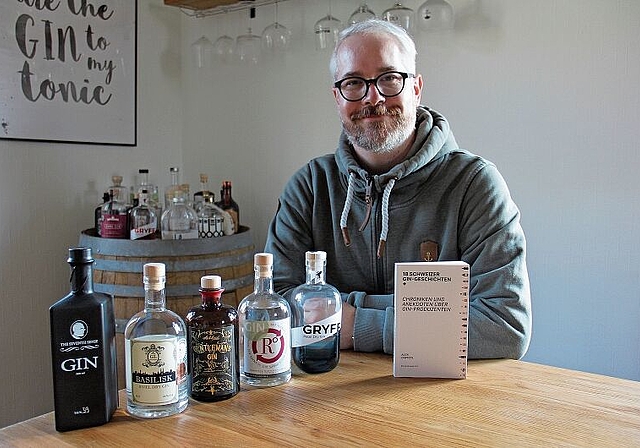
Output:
x=204 y=178
x=143 y=171
x=80 y=255
x=154 y=273
x=263 y=259
x=210 y=282
x=117 y=180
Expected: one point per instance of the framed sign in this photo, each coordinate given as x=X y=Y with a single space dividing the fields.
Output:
x=68 y=71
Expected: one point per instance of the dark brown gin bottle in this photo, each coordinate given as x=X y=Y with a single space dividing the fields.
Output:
x=230 y=206
x=213 y=337
x=83 y=350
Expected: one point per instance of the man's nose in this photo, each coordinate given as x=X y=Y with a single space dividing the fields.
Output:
x=373 y=95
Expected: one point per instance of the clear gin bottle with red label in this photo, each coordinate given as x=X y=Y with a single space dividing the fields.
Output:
x=265 y=322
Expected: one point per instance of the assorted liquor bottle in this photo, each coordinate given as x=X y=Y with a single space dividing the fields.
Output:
x=205 y=356
x=139 y=213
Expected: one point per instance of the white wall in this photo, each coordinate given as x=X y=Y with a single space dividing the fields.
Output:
x=548 y=90
x=47 y=195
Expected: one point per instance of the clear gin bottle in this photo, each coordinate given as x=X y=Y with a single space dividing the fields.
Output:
x=265 y=322
x=156 y=353
x=317 y=314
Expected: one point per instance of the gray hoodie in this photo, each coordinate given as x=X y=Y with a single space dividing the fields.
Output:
x=442 y=203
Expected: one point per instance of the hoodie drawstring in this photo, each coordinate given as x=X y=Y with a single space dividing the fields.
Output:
x=385 y=214
x=345 y=211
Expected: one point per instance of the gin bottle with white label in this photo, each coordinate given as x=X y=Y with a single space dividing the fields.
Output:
x=143 y=221
x=317 y=313
x=156 y=353
x=265 y=322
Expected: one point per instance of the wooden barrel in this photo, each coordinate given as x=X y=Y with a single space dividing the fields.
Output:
x=118 y=268
x=118 y=271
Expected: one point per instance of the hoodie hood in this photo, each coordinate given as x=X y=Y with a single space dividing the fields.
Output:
x=433 y=140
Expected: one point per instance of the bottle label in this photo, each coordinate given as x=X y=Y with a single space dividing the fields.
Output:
x=144 y=230
x=210 y=227
x=235 y=225
x=316 y=331
x=180 y=234
x=113 y=226
x=156 y=369
x=267 y=348
x=84 y=375
x=214 y=365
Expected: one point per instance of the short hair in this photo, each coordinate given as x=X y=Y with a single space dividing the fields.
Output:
x=380 y=28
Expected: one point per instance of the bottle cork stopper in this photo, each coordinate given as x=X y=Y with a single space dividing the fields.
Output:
x=263 y=259
x=210 y=282
x=316 y=256
x=117 y=180
x=154 y=270
x=204 y=178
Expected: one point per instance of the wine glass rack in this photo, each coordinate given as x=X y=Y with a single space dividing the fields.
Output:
x=205 y=8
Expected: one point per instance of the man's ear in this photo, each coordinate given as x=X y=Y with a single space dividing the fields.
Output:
x=417 y=87
x=336 y=94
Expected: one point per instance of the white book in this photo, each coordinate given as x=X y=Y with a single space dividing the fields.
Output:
x=431 y=319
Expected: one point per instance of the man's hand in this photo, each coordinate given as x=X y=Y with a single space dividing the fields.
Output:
x=346 y=327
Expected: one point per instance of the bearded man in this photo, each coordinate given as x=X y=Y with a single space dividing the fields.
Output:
x=399 y=189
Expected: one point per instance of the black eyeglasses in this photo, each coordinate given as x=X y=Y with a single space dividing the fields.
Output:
x=389 y=84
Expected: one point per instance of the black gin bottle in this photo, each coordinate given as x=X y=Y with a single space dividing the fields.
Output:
x=213 y=335
x=83 y=350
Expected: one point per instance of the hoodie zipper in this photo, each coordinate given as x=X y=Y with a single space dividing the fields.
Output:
x=368 y=200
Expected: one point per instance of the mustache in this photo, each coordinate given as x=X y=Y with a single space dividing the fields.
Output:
x=379 y=110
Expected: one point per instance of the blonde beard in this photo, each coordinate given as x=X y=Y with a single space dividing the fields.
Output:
x=378 y=137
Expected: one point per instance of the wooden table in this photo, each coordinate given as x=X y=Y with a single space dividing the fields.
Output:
x=501 y=403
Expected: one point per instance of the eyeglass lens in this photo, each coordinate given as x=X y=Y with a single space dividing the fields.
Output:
x=388 y=84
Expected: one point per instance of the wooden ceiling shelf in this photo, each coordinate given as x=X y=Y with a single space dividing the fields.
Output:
x=203 y=8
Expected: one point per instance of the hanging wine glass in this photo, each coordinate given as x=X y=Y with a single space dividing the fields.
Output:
x=435 y=15
x=275 y=37
x=249 y=45
x=223 y=47
x=201 y=52
x=327 y=30
x=362 y=14
x=400 y=15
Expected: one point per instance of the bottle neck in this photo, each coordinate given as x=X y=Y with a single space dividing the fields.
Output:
x=174 y=178
x=263 y=281
x=154 y=296
x=226 y=194
x=81 y=278
x=315 y=274
x=211 y=297
x=143 y=199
